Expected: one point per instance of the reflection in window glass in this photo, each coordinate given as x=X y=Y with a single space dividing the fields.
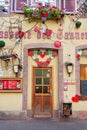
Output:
x=46 y=89
x=4 y=6
x=46 y=81
x=38 y=72
x=45 y=2
x=38 y=80
x=38 y=89
x=46 y=73
x=83 y=73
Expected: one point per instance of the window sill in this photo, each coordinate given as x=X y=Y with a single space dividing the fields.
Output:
x=5 y=14
x=83 y=98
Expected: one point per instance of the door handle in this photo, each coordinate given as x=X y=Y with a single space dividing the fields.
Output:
x=51 y=92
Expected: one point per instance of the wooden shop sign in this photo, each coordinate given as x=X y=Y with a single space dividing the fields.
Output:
x=10 y=85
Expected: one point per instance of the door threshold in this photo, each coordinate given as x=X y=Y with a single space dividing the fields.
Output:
x=42 y=116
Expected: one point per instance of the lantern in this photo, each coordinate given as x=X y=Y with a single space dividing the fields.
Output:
x=69 y=67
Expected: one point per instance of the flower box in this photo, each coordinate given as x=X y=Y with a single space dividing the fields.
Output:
x=39 y=12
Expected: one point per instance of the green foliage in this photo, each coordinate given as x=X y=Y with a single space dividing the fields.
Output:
x=49 y=13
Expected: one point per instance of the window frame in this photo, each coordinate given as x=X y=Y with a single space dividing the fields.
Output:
x=36 y=1
x=81 y=91
x=8 y=12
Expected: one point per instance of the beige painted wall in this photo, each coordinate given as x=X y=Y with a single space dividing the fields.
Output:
x=13 y=101
x=10 y=101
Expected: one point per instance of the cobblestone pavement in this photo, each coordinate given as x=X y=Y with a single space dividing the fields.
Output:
x=42 y=124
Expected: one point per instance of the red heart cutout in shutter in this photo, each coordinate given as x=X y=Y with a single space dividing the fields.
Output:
x=42 y=55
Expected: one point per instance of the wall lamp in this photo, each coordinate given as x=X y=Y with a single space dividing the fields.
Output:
x=69 y=67
x=15 y=69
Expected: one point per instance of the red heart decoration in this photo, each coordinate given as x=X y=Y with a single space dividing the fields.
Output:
x=15 y=55
x=75 y=98
x=30 y=53
x=40 y=63
x=20 y=34
x=57 y=44
x=48 y=32
x=48 y=61
x=54 y=53
x=42 y=55
x=36 y=29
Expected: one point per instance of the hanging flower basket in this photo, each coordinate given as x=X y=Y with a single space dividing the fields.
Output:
x=43 y=13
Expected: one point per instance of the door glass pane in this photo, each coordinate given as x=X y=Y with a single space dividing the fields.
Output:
x=38 y=89
x=39 y=81
x=46 y=73
x=38 y=72
x=46 y=81
x=46 y=89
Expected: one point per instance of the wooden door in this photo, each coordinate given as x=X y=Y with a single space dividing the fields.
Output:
x=42 y=91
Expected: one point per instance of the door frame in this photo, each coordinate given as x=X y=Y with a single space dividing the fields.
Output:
x=56 y=113
x=51 y=104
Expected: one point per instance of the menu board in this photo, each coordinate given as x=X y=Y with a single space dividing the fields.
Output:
x=10 y=84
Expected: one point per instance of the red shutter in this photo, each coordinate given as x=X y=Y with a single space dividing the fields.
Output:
x=62 y=4
x=70 y=6
x=18 y=5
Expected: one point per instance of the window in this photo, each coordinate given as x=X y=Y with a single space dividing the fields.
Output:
x=79 y=3
x=69 y=6
x=4 y=6
x=43 y=2
x=18 y=5
x=83 y=80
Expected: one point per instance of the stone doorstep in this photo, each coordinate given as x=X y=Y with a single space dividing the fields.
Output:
x=42 y=116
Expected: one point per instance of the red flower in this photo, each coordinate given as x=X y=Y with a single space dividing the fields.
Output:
x=54 y=7
x=46 y=14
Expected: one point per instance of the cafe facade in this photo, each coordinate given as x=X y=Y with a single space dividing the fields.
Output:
x=43 y=66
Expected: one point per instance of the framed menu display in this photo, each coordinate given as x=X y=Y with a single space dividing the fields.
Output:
x=10 y=85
